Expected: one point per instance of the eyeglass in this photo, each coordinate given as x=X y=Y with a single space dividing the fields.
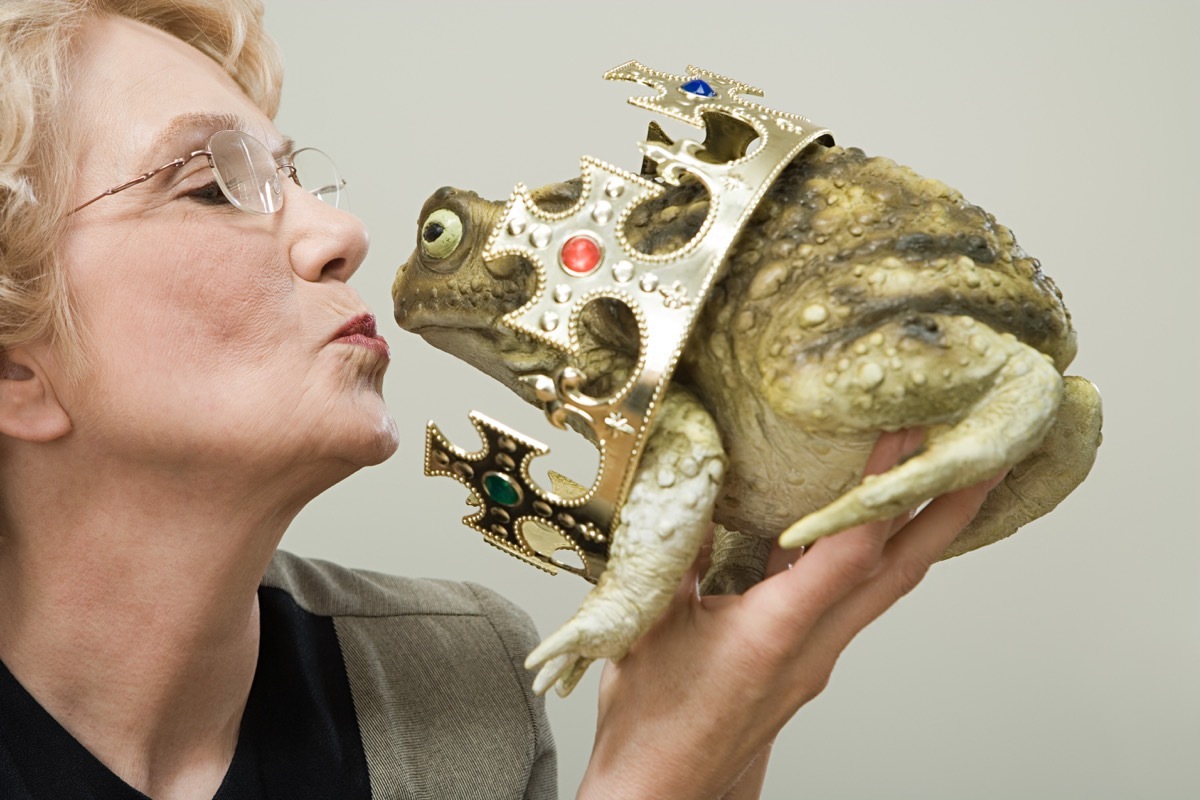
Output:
x=249 y=175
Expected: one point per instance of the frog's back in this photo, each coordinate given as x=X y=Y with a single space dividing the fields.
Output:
x=846 y=258
x=844 y=242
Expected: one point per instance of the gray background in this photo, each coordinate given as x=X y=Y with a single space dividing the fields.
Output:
x=1062 y=663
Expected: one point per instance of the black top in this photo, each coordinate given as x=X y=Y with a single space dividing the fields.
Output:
x=299 y=736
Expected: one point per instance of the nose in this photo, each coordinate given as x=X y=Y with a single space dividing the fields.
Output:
x=326 y=242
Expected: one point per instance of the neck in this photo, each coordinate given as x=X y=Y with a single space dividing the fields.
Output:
x=128 y=609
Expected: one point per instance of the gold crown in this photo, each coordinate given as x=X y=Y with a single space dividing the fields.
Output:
x=581 y=255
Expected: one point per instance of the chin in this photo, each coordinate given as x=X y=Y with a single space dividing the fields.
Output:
x=366 y=435
x=386 y=444
x=379 y=443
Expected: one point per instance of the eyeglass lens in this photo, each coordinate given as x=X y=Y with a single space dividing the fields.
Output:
x=249 y=175
x=319 y=177
x=246 y=172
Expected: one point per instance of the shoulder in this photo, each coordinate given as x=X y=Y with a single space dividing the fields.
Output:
x=423 y=608
x=331 y=590
x=436 y=669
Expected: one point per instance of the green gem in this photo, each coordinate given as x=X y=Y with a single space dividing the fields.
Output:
x=501 y=488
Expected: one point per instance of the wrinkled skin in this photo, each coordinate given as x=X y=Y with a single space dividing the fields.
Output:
x=860 y=298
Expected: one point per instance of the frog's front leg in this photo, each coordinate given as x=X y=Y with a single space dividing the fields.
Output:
x=662 y=527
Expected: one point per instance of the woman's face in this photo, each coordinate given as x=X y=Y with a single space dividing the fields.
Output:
x=213 y=336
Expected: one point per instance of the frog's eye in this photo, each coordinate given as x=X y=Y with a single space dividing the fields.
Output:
x=441 y=233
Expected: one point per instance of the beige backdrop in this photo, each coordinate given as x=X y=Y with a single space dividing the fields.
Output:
x=1062 y=663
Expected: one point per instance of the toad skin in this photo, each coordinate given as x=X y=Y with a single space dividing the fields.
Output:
x=860 y=298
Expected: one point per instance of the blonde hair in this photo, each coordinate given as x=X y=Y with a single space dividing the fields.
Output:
x=36 y=167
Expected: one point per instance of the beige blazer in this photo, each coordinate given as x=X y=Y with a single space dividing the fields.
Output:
x=443 y=702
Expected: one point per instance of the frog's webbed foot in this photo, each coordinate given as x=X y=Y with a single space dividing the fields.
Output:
x=662 y=527
x=1010 y=391
x=738 y=562
x=1040 y=482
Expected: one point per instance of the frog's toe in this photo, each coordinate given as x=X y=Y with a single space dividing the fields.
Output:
x=552 y=670
x=565 y=670
x=565 y=655
x=584 y=637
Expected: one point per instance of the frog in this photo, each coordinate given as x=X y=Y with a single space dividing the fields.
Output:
x=860 y=298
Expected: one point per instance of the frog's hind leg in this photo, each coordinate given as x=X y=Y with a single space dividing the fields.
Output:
x=663 y=524
x=738 y=562
x=987 y=399
x=1040 y=482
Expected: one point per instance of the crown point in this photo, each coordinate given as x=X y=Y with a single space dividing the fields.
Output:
x=580 y=255
x=699 y=88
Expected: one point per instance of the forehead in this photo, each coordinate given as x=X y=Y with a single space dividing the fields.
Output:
x=140 y=95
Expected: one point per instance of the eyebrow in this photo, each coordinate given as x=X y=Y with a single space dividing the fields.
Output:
x=193 y=129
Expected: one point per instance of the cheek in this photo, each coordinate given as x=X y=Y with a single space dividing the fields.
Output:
x=231 y=299
x=243 y=301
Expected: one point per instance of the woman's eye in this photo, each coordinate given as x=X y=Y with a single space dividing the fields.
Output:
x=210 y=194
x=441 y=233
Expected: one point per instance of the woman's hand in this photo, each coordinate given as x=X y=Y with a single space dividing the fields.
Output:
x=691 y=711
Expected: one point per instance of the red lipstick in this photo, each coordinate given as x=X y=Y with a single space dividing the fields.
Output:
x=361 y=331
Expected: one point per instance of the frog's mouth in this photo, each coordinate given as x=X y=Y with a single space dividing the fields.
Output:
x=473 y=298
x=502 y=353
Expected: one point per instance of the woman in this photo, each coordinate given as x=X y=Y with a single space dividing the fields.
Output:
x=183 y=367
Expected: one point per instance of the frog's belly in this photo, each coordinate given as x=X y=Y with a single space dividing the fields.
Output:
x=778 y=472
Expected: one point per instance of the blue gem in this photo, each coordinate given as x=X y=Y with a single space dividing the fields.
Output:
x=698 y=87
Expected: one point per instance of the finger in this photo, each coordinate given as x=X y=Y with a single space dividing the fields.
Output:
x=829 y=570
x=906 y=559
x=911 y=441
x=689 y=585
x=923 y=541
x=914 y=438
x=835 y=564
x=781 y=558
x=897 y=523
x=888 y=450
x=997 y=480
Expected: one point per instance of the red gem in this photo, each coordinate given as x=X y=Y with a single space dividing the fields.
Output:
x=580 y=255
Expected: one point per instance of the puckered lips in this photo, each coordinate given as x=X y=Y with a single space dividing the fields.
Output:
x=361 y=331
